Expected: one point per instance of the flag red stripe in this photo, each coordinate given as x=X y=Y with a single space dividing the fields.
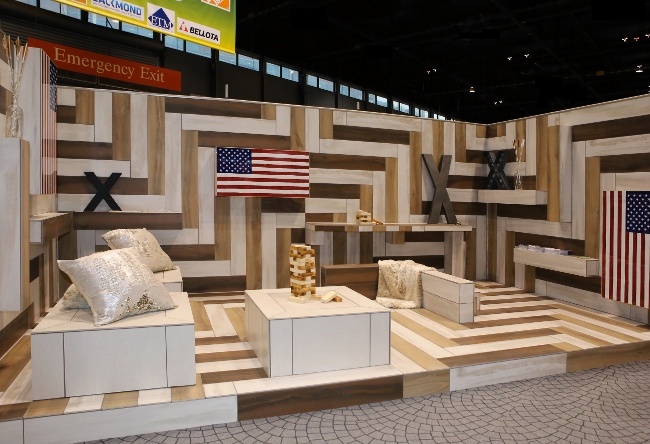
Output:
x=263 y=194
x=643 y=276
x=257 y=187
x=223 y=180
x=610 y=254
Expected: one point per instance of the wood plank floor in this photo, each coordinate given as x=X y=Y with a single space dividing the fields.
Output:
x=515 y=335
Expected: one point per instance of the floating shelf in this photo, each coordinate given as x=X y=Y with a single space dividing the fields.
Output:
x=43 y=227
x=111 y=220
x=387 y=227
x=513 y=197
x=566 y=264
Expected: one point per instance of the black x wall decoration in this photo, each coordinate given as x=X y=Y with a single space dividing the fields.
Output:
x=497 y=177
x=440 y=194
x=103 y=191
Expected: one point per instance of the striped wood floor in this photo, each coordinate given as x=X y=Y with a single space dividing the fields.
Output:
x=515 y=335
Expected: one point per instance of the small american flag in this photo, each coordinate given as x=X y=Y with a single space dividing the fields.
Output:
x=254 y=172
x=625 y=253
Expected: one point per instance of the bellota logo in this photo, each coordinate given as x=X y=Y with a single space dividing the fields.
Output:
x=182 y=27
x=223 y=4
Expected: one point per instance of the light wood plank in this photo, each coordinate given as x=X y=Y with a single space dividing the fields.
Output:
x=238 y=321
x=222 y=241
x=582 y=336
x=440 y=320
x=47 y=407
x=253 y=243
x=268 y=111
x=592 y=207
x=415 y=175
x=206 y=197
x=326 y=124
x=596 y=328
x=438 y=140
x=156 y=144
x=553 y=174
x=189 y=393
x=121 y=126
x=190 y=178
x=138 y=131
x=423 y=331
x=542 y=153
x=201 y=320
x=14 y=361
x=297 y=136
x=391 y=188
x=426 y=383
x=173 y=142
x=283 y=244
x=85 y=107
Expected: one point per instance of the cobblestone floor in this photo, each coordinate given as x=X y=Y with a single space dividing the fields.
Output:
x=609 y=405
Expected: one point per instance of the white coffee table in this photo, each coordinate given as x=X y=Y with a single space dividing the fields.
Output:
x=292 y=339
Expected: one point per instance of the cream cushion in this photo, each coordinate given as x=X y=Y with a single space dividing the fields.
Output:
x=72 y=299
x=116 y=284
x=144 y=242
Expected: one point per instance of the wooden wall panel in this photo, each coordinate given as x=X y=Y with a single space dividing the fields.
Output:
x=470 y=254
x=282 y=205
x=222 y=229
x=542 y=153
x=438 y=140
x=629 y=126
x=626 y=163
x=297 y=136
x=283 y=244
x=492 y=242
x=365 y=198
x=156 y=144
x=391 y=203
x=592 y=207
x=224 y=108
x=85 y=107
x=253 y=243
x=509 y=259
x=379 y=135
x=415 y=172
x=460 y=145
x=190 y=178
x=553 y=173
x=121 y=126
x=520 y=134
x=347 y=162
x=214 y=139
x=81 y=185
x=326 y=124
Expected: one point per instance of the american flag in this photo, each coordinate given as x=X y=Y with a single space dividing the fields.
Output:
x=255 y=172
x=48 y=125
x=625 y=253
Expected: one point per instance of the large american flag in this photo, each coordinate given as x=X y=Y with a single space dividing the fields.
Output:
x=255 y=172
x=48 y=125
x=625 y=258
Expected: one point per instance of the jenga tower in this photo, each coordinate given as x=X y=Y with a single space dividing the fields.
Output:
x=363 y=217
x=302 y=266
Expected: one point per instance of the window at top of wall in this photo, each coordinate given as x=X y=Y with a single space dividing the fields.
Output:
x=28 y=2
x=144 y=32
x=51 y=5
x=290 y=74
x=312 y=81
x=404 y=108
x=416 y=112
x=325 y=84
x=344 y=90
x=173 y=42
x=382 y=101
x=395 y=105
x=424 y=113
x=248 y=62
x=273 y=70
x=371 y=98
x=356 y=93
x=226 y=57
x=100 y=20
x=200 y=50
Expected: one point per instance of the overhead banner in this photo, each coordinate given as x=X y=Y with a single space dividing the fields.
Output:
x=101 y=65
x=206 y=22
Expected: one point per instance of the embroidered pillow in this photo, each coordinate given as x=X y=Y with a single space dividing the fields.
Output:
x=72 y=299
x=117 y=284
x=144 y=242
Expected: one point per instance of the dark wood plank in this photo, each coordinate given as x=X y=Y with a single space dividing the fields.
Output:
x=346 y=162
x=500 y=356
x=253 y=243
x=379 y=135
x=14 y=361
x=121 y=126
x=4 y=98
x=484 y=339
x=297 y=235
x=424 y=236
x=430 y=261
x=468 y=208
x=190 y=252
x=328 y=396
x=34 y=266
x=223 y=301
x=81 y=185
x=64 y=114
x=13 y=411
x=87 y=220
x=213 y=107
x=222 y=240
x=347 y=274
x=56 y=227
x=209 y=138
x=625 y=163
x=233 y=375
x=492 y=241
x=575 y=246
x=217 y=340
x=225 y=356
x=334 y=190
x=488 y=302
x=628 y=126
x=591 y=283
x=340 y=247
x=365 y=247
x=467 y=182
x=509 y=321
x=509 y=259
x=284 y=205
x=605 y=356
x=14 y=330
x=460 y=142
x=516 y=309
x=66 y=149
x=214 y=284
x=534 y=212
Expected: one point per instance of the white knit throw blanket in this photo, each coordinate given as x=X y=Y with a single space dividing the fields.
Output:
x=400 y=284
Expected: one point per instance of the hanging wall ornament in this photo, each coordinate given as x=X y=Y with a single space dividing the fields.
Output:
x=16 y=57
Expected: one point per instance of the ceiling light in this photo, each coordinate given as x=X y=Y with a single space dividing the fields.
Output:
x=509 y=58
x=471 y=89
x=636 y=39
x=624 y=39
x=639 y=68
x=526 y=55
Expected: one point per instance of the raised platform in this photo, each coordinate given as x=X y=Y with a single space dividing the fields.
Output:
x=514 y=336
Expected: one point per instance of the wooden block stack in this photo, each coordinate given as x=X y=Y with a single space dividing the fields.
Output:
x=363 y=217
x=302 y=265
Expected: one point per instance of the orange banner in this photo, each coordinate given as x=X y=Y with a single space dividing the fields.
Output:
x=86 y=62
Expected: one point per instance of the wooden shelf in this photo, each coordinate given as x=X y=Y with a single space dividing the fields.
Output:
x=387 y=227
x=565 y=264
x=46 y=226
x=111 y=220
x=514 y=197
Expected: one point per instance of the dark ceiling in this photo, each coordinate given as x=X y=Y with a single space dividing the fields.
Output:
x=521 y=57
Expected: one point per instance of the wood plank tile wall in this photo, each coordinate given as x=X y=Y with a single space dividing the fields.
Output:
x=358 y=160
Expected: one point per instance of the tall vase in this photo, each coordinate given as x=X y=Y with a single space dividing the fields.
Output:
x=14 y=126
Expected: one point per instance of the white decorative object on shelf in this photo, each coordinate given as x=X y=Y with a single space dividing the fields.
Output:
x=519 y=145
x=16 y=56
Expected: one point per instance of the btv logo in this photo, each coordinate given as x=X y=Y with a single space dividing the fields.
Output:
x=160 y=18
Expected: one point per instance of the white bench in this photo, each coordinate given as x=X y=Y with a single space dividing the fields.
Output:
x=73 y=357
x=171 y=279
x=449 y=296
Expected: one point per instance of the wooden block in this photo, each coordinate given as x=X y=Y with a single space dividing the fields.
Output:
x=49 y=407
x=297 y=135
x=592 y=207
x=190 y=179
x=415 y=175
x=85 y=107
x=542 y=153
x=121 y=138
x=606 y=356
x=553 y=173
x=326 y=124
x=156 y=144
x=253 y=243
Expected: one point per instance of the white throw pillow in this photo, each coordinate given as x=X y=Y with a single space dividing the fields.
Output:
x=117 y=284
x=73 y=300
x=144 y=242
